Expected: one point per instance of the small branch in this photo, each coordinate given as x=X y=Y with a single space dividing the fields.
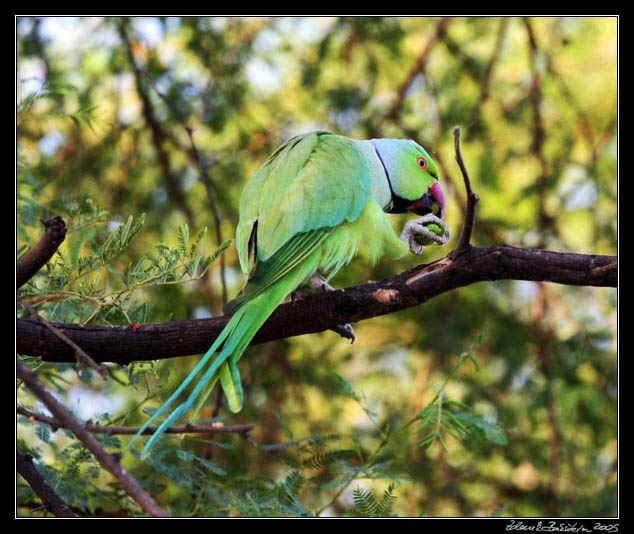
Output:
x=417 y=68
x=107 y=460
x=80 y=354
x=53 y=502
x=158 y=135
x=485 y=82
x=243 y=431
x=214 y=209
x=472 y=199
x=40 y=254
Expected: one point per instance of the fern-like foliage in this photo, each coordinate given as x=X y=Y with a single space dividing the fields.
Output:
x=83 y=280
x=444 y=417
x=367 y=505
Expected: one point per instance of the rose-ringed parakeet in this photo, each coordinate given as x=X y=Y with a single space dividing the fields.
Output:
x=307 y=210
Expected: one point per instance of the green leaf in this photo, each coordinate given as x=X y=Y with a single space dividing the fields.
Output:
x=214 y=468
x=183 y=238
x=43 y=432
x=186 y=456
x=492 y=431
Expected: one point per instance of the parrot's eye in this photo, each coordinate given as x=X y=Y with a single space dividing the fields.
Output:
x=422 y=163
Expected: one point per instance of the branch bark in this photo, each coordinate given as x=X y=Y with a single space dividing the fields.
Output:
x=36 y=258
x=323 y=311
x=80 y=354
x=51 y=500
x=243 y=431
x=472 y=200
x=107 y=460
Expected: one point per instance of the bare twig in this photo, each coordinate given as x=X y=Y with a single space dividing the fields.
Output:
x=472 y=199
x=214 y=208
x=107 y=460
x=51 y=500
x=242 y=430
x=80 y=354
x=50 y=297
x=158 y=135
x=37 y=257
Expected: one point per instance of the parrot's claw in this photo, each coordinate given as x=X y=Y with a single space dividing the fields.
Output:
x=418 y=227
x=320 y=284
x=344 y=330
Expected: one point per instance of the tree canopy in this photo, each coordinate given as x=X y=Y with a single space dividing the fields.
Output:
x=498 y=398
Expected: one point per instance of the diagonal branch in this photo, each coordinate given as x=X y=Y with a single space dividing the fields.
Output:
x=158 y=135
x=51 y=500
x=417 y=68
x=36 y=258
x=107 y=460
x=204 y=178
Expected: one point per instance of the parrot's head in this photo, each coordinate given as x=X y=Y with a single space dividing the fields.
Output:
x=412 y=176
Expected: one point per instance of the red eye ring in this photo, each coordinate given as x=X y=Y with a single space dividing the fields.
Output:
x=422 y=163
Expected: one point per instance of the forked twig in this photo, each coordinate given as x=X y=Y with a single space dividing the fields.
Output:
x=472 y=199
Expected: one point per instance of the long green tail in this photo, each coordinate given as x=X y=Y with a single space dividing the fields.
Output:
x=236 y=336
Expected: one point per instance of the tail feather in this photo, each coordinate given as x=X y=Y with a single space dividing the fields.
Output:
x=195 y=371
x=231 y=385
x=236 y=336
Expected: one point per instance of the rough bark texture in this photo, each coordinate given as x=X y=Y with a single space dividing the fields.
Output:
x=37 y=257
x=107 y=460
x=50 y=499
x=319 y=312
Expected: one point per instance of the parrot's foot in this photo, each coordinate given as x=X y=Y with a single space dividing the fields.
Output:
x=419 y=227
x=344 y=330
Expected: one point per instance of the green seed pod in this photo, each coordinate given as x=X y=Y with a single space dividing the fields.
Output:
x=422 y=240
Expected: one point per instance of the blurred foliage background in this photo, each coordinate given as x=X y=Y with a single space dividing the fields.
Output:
x=169 y=117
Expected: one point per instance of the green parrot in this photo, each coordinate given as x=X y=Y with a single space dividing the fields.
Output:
x=305 y=213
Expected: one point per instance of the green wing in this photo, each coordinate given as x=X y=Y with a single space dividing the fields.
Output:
x=309 y=186
x=292 y=253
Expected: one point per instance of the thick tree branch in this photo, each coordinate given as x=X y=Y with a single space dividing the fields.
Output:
x=37 y=257
x=107 y=460
x=50 y=499
x=323 y=311
x=80 y=354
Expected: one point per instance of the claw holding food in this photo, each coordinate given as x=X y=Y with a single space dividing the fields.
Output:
x=424 y=231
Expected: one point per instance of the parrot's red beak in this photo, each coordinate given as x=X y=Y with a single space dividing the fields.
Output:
x=433 y=201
